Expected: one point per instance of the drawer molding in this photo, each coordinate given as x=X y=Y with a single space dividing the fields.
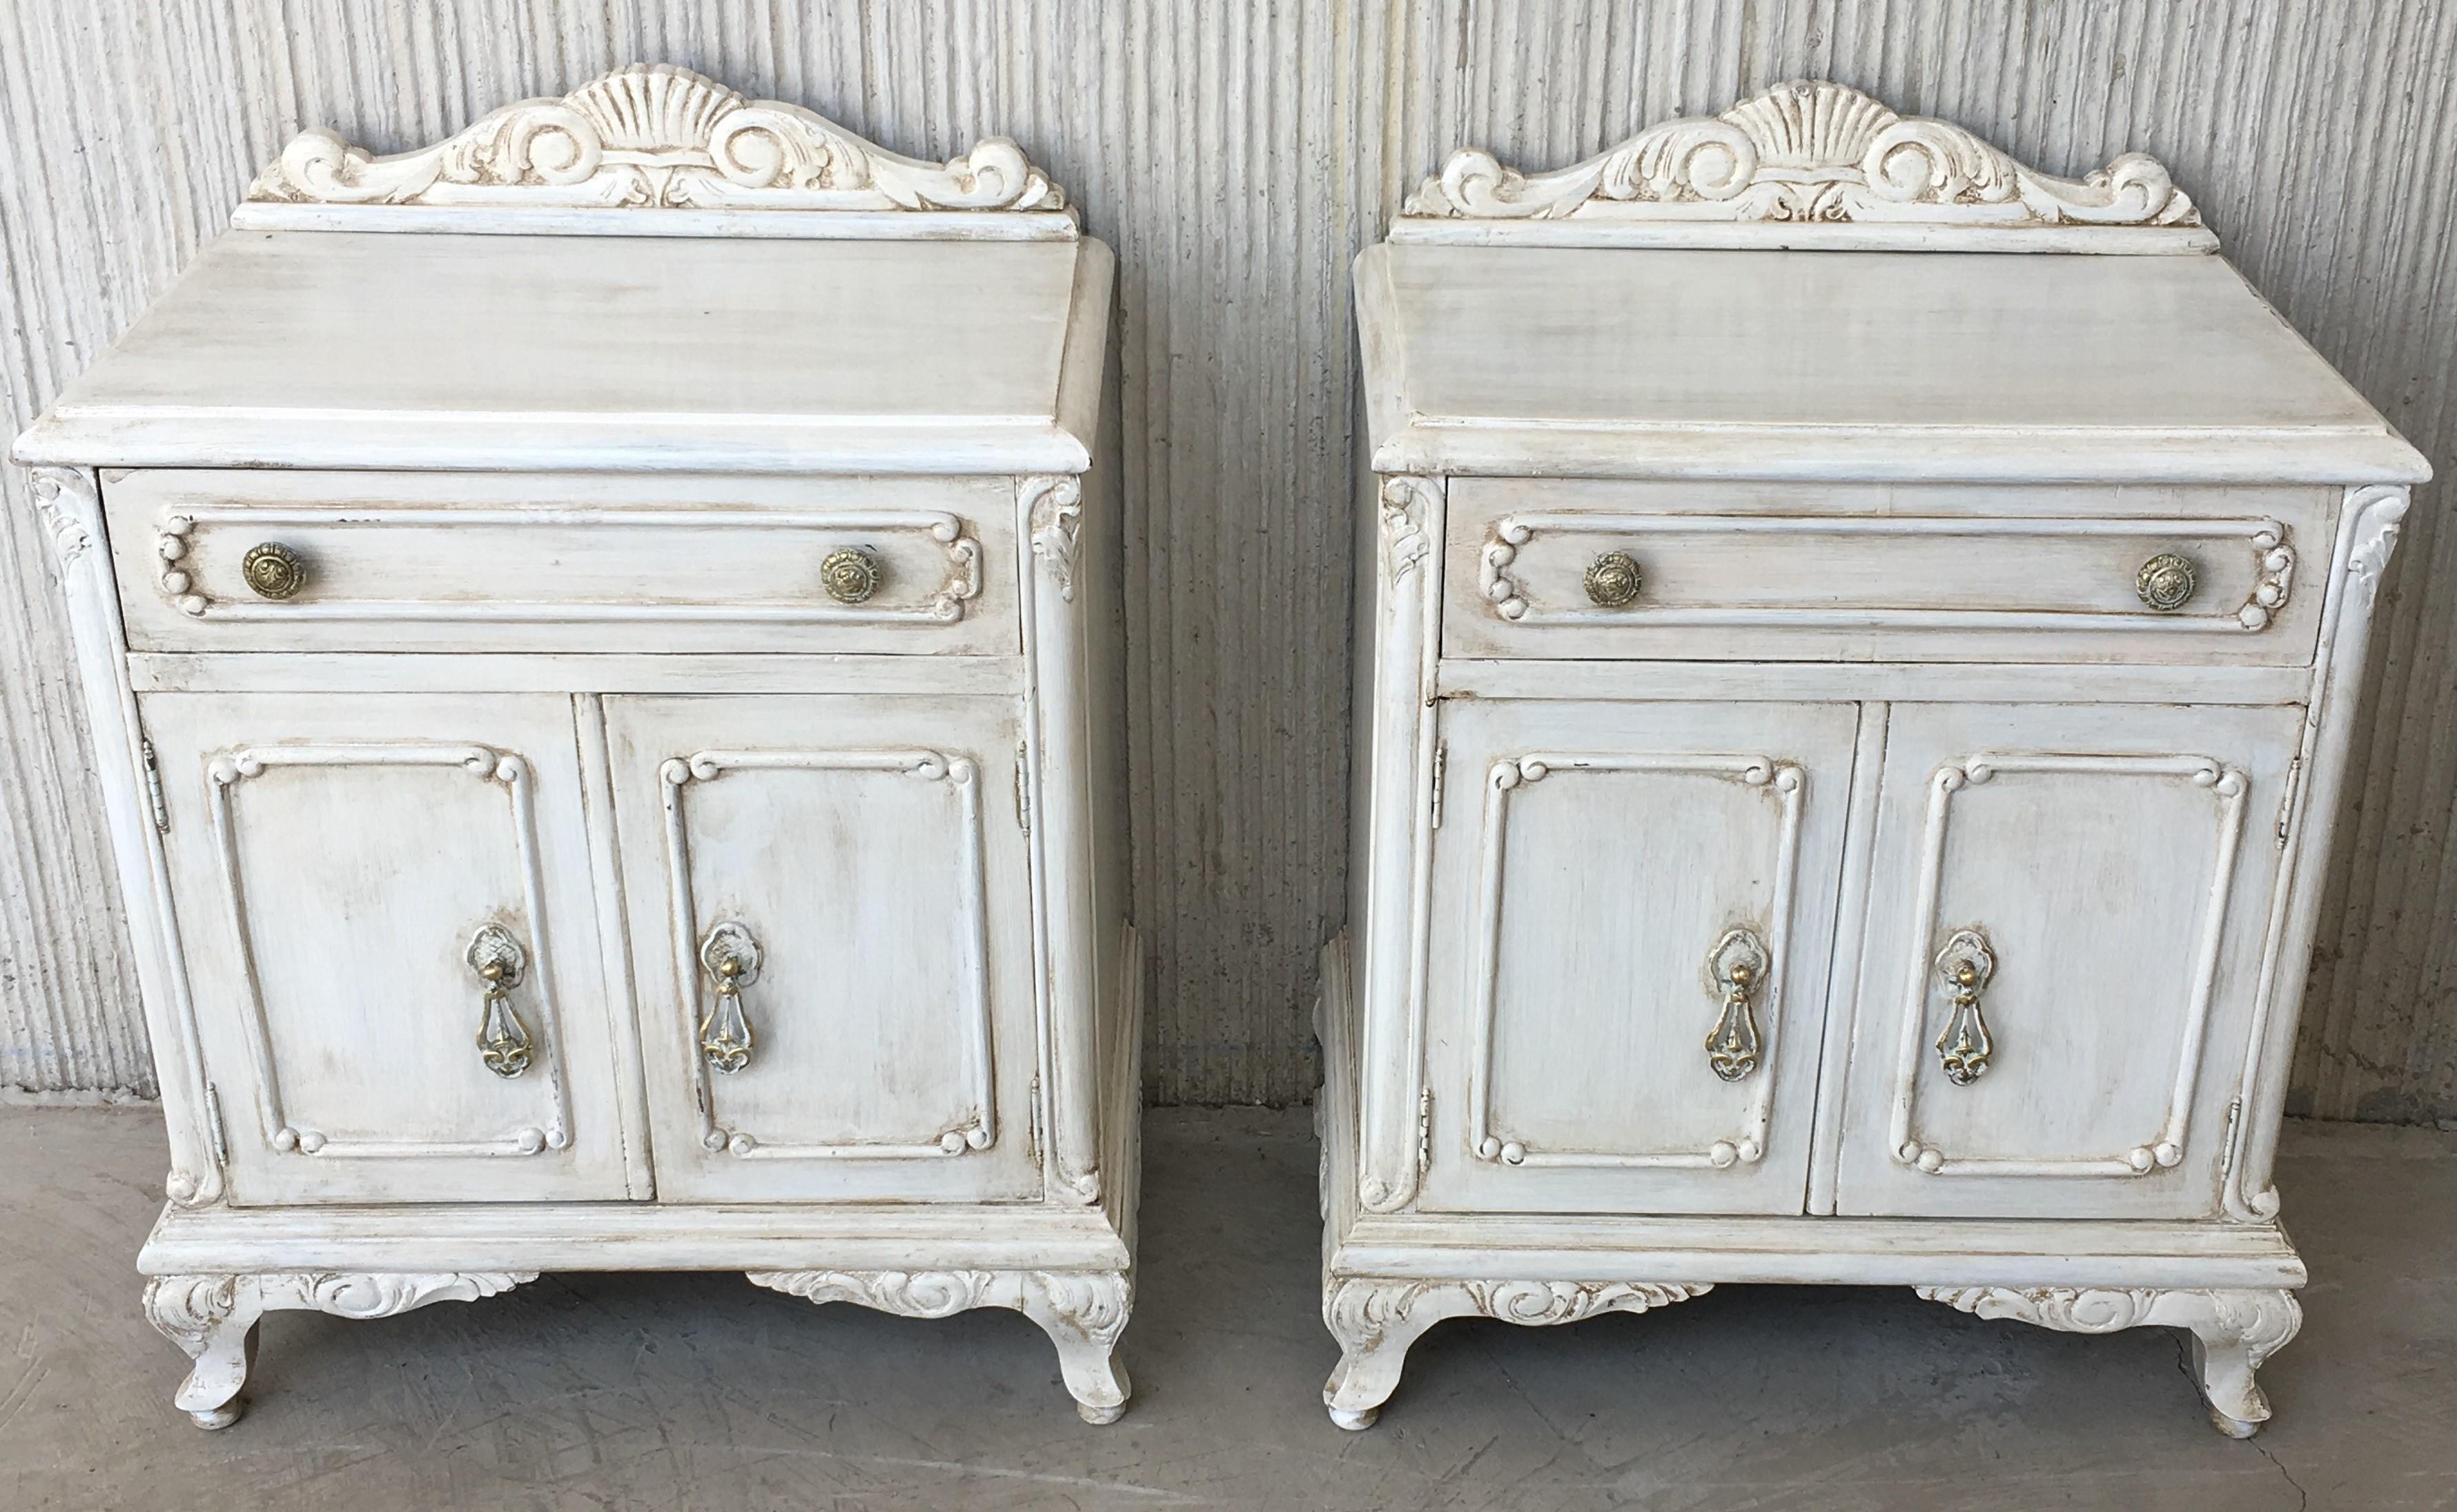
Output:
x=2272 y=557
x=1745 y=1147
x=227 y=770
x=2229 y=785
x=945 y=604
x=677 y=775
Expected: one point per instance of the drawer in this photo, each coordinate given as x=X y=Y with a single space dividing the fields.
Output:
x=1583 y=570
x=235 y=560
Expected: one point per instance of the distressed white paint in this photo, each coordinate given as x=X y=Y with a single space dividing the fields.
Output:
x=2072 y=933
x=1237 y=155
x=892 y=1018
x=839 y=948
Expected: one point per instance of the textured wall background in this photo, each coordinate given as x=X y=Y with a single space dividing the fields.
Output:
x=1236 y=153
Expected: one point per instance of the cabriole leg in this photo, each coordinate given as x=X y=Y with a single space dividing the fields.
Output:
x=2233 y=1333
x=1083 y=1311
x=1376 y=1322
x=1376 y=1318
x=1083 y=1316
x=213 y=1318
x=2234 y=1330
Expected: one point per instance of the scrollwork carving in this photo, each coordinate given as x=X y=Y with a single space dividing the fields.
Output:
x=1083 y=1311
x=1377 y=1319
x=365 y=1294
x=1807 y=150
x=661 y=138
x=1407 y=505
x=2234 y=1330
x=212 y=1317
x=65 y=499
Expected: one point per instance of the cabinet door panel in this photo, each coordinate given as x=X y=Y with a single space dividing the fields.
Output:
x=2104 y=874
x=332 y=860
x=1598 y=870
x=867 y=850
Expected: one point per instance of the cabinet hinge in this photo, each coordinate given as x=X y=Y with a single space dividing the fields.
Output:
x=1441 y=770
x=1023 y=788
x=2235 y=1117
x=1424 y=1130
x=1032 y=1125
x=153 y=786
x=214 y=1123
x=2286 y=804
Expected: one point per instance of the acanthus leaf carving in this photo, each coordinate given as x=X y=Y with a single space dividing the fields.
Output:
x=907 y=1294
x=1407 y=507
x=1054 y=516
x=653 y=135
x=1808 y=151
x=2378 y=512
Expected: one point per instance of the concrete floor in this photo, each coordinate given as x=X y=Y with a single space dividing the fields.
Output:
x=703 y=1392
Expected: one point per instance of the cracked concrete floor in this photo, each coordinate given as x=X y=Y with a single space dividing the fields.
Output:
x=703 y=1392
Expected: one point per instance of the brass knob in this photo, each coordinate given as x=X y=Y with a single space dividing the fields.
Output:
x=1612 y=580
x=2165 y=582
x=272 y=571
x=850 y=577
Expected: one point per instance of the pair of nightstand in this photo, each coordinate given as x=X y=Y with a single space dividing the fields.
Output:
x=603 y=640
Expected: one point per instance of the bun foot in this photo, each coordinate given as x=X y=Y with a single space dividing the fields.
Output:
x=1358 y=1421
x=222 y=1416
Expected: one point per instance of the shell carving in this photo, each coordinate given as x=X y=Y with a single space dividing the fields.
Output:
x=1807 y=150
x=655 y=137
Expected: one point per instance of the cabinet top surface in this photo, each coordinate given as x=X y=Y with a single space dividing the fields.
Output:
x=338 y=349
x=1702 y=362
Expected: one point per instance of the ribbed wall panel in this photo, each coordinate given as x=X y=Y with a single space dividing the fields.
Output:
x=1237 y=154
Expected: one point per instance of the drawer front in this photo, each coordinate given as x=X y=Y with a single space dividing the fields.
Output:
x=255 y=561
x=1596 y=571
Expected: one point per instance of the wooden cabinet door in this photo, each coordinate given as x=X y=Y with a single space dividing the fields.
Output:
x=341 y=868
x=2068 y=913
x=861 y=861
x=1631 y=915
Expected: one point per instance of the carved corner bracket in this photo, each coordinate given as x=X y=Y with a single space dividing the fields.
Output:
x=1053 y=510
x=69 y=504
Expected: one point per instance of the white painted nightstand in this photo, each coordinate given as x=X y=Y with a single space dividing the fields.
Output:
x=601 y=640
x=1858 y=642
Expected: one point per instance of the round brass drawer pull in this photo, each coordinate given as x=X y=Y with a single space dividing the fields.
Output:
x=1612 y=580
x=850 y=577
x=272 y=571
x=2165 y=582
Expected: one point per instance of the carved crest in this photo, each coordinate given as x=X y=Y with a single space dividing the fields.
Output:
x=1806 y=152
x=655 y=137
